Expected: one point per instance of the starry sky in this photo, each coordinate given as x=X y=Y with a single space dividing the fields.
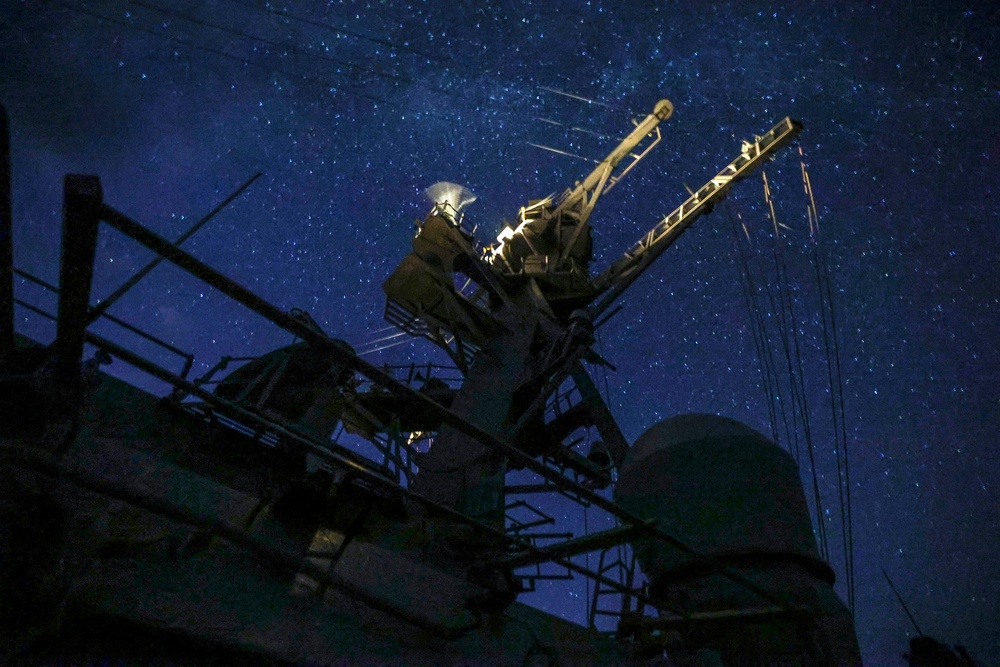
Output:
x=351 y=109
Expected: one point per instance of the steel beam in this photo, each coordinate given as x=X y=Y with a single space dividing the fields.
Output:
x=601 y=415
x=187 y=356
x=581 y=545
x=108 y=301
x=82 y=200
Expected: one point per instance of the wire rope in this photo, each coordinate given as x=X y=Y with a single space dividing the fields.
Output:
x=790 y=340
x=835 y=379
x=759 y=337
x=326 y=84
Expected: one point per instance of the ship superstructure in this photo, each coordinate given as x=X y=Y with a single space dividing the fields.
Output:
x=226 y=519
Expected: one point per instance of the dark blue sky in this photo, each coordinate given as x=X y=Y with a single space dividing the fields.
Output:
x=901 y=104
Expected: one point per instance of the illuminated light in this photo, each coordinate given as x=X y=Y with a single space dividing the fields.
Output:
x=450 y=198
x=526 y=211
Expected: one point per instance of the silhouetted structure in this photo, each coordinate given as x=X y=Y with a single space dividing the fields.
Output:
x=227 y=522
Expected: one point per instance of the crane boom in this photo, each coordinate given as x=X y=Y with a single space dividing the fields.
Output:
x=552 y=241
x=602 y=178
x=614 y=280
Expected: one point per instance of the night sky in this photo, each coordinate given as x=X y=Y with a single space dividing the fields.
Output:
x=351 y=110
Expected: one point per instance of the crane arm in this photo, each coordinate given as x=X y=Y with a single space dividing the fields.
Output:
x=584 y=195
x=614 y=280
x=566 y=218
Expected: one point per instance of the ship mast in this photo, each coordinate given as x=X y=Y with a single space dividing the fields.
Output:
x=522 y=322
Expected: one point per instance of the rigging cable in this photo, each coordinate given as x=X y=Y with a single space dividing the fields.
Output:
x=902 y=603
x=796 y=372
x=843 y=426
x=288 y=48
x=791 y=432
x=777 y=307
x=835 y=379
x=760 y=325
x=338 y=29
x=791 y=435
x=330 y=87
x=759 y=337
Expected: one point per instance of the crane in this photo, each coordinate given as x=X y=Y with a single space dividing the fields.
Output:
x=524 y=310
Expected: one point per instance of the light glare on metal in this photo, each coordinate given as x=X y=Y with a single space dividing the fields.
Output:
x=450 y=198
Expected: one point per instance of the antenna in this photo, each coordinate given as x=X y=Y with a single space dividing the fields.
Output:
x=900 y=598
